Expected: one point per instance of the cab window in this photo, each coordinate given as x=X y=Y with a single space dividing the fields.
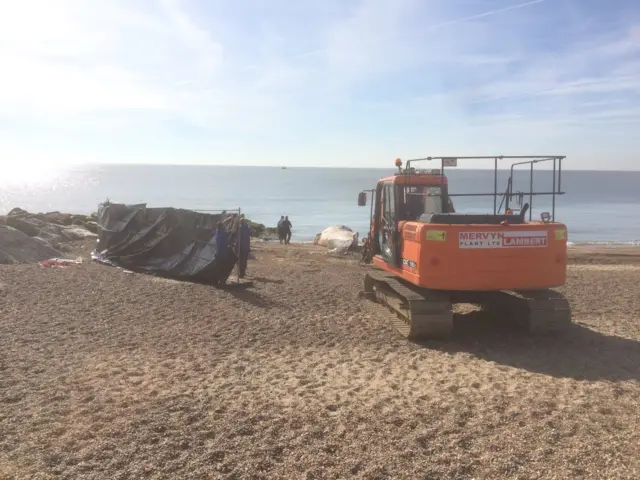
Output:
x=421 y=199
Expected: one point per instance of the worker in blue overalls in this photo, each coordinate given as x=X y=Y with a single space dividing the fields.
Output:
x=244 y=245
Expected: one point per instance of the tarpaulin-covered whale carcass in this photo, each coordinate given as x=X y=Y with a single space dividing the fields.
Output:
x=170 y=242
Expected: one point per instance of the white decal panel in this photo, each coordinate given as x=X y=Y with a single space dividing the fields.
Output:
x=515 y=239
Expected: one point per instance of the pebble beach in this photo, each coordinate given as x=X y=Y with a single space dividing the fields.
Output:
x=108 y=374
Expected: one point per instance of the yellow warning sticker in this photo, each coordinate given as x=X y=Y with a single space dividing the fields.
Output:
x=561 y=234
x=436 y=235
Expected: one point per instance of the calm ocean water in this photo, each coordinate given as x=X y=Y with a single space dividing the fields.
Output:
x=599 y=207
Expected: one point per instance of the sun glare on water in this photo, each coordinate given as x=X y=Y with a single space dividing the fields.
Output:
x=42 y=187
x=17 y=175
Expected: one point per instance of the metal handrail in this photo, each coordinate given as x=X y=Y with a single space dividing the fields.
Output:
x=529 y=159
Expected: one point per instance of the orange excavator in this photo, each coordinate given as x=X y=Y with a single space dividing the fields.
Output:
x=428 y=256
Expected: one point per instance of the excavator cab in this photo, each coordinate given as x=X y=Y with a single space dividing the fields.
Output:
x=426 y=251
x=408 y=196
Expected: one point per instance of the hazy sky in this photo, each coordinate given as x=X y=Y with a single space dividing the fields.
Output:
x=322 y=82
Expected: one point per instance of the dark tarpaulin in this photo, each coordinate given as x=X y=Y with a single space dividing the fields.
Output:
x=171 y=242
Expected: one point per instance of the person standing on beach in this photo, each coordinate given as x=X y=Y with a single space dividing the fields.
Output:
x=280 y=230
x=286 y=227
x=222 y=241
x=244 y=246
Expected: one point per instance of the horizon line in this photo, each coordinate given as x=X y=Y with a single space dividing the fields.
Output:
x=286 y=167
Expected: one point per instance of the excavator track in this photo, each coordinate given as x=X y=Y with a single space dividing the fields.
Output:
x=420 y=314
x=423 y=314
x=540 y=311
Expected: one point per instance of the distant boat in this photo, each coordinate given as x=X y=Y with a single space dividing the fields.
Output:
x=283 y=168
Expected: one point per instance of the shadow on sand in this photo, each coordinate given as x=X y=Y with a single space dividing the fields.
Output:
x=267 y=280
x=579 y=352
x=242 y=291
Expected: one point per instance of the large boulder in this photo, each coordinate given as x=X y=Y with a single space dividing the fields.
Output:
x=261 y=231
x=52 y=234
x=76 y=233
x=28 y=225
x=92 y=226
x=17 y=211
x=79 y=219
x=57 y=218
x=54 y=228
x=18 y=247
x=338 y=238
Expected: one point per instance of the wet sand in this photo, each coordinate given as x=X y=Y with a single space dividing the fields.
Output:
x=109 y=375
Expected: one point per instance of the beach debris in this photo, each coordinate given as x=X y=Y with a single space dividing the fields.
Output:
x=61 y=262
x=99 y=257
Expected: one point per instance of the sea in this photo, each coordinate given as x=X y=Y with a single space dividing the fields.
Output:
x=598 y=207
